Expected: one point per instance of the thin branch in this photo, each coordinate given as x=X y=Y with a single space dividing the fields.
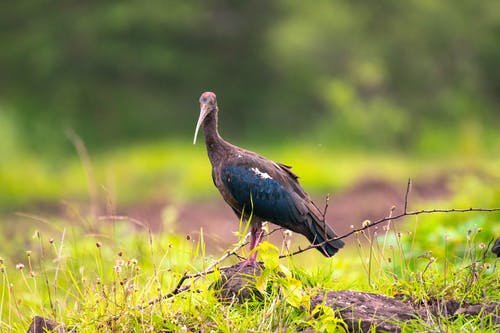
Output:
x=179 y=288
x=327 y=201
x=408 y=189
x=418 y=212
x=273 y=231
x=387 y=218
x=234 y=250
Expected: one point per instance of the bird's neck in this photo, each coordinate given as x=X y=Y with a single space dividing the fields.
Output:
x=213 y=140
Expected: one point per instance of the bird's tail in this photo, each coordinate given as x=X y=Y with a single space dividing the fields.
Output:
x=320 y=232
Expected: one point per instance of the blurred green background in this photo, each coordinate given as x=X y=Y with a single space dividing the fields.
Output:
x=414 y=80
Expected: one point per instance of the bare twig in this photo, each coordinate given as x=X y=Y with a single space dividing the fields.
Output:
x=327 y=201
x=229 y=253
x=408 y=189
x=418 y=212
x=387 y=218
x=273 y=231
x=179 y=288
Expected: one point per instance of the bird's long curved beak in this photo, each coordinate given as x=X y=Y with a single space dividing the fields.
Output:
x=204 y=111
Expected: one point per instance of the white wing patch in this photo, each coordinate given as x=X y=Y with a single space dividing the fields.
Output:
x=261 y=174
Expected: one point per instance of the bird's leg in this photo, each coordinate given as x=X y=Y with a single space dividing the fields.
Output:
x=256 y=234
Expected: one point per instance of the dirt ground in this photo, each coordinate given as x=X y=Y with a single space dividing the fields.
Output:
x=368 y=199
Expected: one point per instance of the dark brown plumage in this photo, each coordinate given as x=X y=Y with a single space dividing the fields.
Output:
x=266 y=190
x=496 y=247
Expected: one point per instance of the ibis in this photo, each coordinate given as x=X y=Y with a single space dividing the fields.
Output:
x=259 y=190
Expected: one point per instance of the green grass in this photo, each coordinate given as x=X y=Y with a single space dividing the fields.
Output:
x=99 y=277
x=96 y=275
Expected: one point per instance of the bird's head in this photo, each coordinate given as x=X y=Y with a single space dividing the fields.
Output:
x=208 y=103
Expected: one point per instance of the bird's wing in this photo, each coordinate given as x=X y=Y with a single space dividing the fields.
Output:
x=293 y=180
x=283 y=174
x=258 y=191
x=271 y=192
x=288 y=170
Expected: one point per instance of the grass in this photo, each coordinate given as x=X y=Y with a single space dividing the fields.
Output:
x=99 y=277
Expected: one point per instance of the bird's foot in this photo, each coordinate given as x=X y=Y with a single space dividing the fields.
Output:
x=249 y=263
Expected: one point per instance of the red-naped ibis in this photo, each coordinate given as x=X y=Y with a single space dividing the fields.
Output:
x=496 y=247
x=265 y=190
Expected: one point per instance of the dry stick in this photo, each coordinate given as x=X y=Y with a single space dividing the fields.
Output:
x=408 y=189
x=488 y=248
x=210 y=269
x=327 y=201
x=423 y=211
x=388 y=218
x=418 y=212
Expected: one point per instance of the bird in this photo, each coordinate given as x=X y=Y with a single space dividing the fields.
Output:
x=260 y=190
x=496 y=247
